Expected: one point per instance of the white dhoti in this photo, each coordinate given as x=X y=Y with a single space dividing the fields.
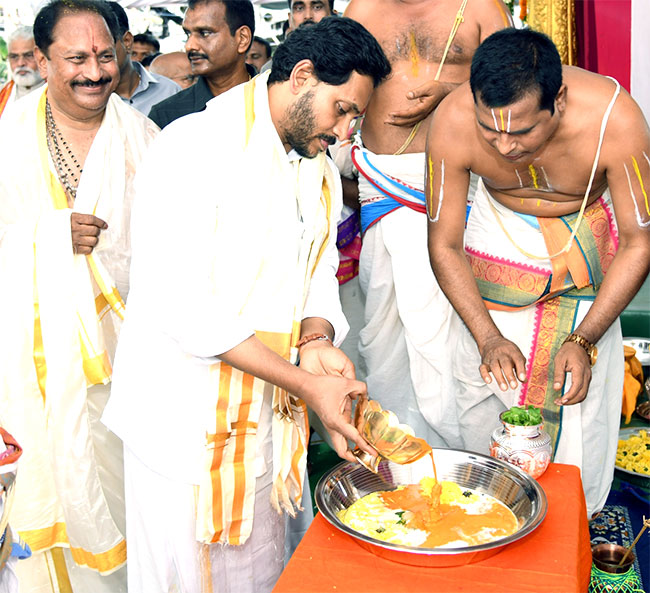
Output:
x=407 y=316
x=173 y=560
x=587 y=435
x=60 y=321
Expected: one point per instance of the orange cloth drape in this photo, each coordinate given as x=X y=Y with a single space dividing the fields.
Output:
x=555 y=557
x=5 y=93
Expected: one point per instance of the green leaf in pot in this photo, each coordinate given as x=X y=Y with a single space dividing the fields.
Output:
x=523 y=416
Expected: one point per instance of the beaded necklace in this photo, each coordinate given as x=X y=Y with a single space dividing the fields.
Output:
x=67 y=167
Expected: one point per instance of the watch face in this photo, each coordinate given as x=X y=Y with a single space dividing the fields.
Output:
x=593 y=355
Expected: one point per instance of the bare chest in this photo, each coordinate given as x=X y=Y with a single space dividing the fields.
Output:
x=427 y=42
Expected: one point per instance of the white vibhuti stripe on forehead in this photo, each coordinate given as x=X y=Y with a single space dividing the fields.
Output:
x=548 y=183
x=639 y=220
x=494 y=117
x=509 y=114
x=442 y=191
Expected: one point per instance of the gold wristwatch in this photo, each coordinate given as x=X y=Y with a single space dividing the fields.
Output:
x=590 y=349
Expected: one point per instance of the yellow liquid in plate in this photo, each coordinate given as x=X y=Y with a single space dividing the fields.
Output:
x=431 y=514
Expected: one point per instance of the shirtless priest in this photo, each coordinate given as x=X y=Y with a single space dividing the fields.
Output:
x=556 y=245
x=430 y=44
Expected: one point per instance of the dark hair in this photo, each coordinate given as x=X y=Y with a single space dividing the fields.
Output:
x=330 y=2
x=239 y=13
x=512 y=63
x=51 y=13
x=146 y=61
x=120 y=15
x=265 y=43
x=336 y=46
x=148 y=39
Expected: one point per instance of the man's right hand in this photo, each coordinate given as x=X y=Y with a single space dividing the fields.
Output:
x=85 y=229
x=331 y=398
x=502 y=359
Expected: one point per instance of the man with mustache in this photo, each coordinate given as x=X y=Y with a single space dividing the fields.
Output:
x=24 y=73
x=308 y=11
x=233 y=280
x=66 y=191
x=219 y=33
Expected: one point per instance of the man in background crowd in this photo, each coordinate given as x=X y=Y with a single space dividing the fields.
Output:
x=174 y=66
x=308 y=11
x=137 y=87
x=25 y=76
x=259 y=53
x=219 y=33
x=144 y=44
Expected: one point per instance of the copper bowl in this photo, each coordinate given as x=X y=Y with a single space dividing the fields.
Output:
x=607 y=556
x=348 y=482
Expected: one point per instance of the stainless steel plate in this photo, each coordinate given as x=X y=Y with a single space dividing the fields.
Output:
x=349 y=482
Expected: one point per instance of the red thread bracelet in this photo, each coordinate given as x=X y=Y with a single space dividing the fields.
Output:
x=312 y=338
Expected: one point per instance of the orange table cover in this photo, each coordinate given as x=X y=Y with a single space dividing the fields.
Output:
x=555 y=558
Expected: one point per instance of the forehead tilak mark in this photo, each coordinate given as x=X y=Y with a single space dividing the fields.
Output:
x=494 y=118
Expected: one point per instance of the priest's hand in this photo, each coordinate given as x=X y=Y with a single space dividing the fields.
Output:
x=85 y=229
x=424 y=99
x=571 y=358
x=502 y=359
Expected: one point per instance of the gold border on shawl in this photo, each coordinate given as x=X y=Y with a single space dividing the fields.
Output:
x=105 y=562
x=328 y=206
x=39 y=350
x=53 y=184
x=249 y=92
x=60 y=201
x=60 y=572
x=46 y=537
x=279 y=342
x=96 y=365
x=111 y=294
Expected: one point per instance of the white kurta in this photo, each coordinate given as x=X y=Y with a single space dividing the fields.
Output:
x=216 y=241
x=61 y=491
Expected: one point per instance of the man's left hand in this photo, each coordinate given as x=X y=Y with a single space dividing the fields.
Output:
x=572 y=358
x=320 y=357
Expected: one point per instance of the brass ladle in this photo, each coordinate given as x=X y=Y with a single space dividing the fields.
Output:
x=392 y=440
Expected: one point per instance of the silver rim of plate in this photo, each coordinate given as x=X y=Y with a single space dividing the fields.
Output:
x=348 y=482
